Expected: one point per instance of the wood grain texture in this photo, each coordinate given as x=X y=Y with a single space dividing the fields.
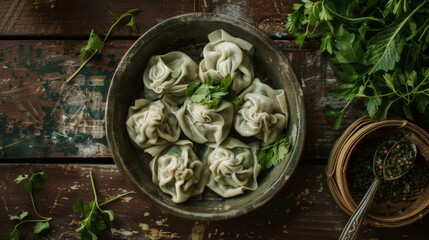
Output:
x=42 y=116
x=302 y=210
x=19 y=19
x=77 y=18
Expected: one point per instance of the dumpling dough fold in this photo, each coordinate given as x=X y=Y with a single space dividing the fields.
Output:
x=262 y=113
x=169 y=74
x=205 y=125
x=233 y=167
x=227 y=55
x=152 y=123
x=178 y=172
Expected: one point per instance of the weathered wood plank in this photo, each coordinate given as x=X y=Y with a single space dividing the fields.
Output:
x=41 y=116
x=77 y=18
x=302 y=210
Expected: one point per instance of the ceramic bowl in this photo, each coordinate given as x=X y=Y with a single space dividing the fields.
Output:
x=188 y=33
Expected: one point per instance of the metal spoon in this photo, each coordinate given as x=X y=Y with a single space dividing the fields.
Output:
x=392 y=160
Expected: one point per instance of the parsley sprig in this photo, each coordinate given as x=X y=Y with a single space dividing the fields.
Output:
x=92 y=214
x=378 y=48
x=95 y=44
x=270 y=155
x=32 y=182
x=210 y=94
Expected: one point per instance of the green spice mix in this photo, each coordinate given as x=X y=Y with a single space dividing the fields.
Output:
x=360 y=175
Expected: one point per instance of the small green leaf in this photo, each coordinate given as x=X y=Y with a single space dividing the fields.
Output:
x=40 y=226
x=330 y=111
x=94 y=45
x=110 y=213
x=14 y=235
x=21 y=178
x=338 y=121
x=132 y=25
x=99 y=225
x=20 y=217
x=270 y=155
x=422 y=102
x=78 y=205
x=372 y=105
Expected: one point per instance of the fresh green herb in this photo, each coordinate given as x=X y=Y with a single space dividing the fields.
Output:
x=378 y=48
x=95 y=44
x=92 y=213
x=33 y=182
x=270 y=155
x=210 y=94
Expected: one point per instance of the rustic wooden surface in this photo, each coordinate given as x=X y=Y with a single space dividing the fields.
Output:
x=303 y=210
x=45 y=120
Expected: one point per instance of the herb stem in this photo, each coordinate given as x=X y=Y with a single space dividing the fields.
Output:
x=81 y=66
x=115 y=198
x=35 y=209
x=114 y=24
x=360 y=19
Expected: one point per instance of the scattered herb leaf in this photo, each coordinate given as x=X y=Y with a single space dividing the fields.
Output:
x=95 y=44
x=210 y=94
x=32 y=182
x=92 y=213
x=270 y=155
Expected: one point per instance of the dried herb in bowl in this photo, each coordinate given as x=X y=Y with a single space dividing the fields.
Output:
x=406 y=188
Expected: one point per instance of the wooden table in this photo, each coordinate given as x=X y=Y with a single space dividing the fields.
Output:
x=49 y=125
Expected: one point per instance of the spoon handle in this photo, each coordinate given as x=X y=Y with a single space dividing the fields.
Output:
x=352 y=227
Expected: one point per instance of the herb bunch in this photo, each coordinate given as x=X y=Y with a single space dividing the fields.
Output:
x=379 y=48
x=32 y=182
x=96 y=44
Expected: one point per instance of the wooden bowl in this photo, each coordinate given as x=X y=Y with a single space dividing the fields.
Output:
x=345 y=153
x=188 y=33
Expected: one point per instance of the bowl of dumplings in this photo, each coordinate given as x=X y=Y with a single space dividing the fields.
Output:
x=205 y=117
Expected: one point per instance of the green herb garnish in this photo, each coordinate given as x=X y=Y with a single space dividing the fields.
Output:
x=378 y=48
x=92 y=213
x=33 y=182
x=270 y=155
x=210 y=94
x=95 y=44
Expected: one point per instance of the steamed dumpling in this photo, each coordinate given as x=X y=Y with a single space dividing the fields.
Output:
x=168 y=74
x=263 y=112
x=233 y=167
x=205 y=125
x=178 y=172
x=227 y=55
x=152 y=123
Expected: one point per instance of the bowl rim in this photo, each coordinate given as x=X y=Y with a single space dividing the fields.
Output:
x=300 y=125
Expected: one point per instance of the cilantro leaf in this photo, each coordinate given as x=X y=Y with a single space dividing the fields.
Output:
x=14 y=235
x=18 y=217
x=270 y=155
x=40 y=226
x=94 y=45
x=212 y=95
